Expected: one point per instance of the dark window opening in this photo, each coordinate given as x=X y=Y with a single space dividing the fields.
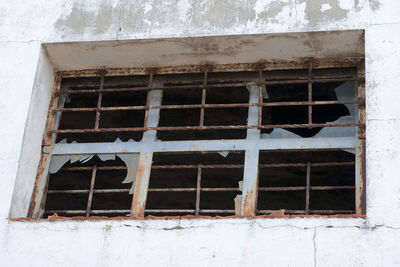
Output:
x=319 y=182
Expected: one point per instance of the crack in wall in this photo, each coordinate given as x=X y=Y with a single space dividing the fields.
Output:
x=315 y=247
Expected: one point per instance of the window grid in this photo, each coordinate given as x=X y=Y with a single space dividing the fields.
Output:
x=252 y=147
x=198 y=189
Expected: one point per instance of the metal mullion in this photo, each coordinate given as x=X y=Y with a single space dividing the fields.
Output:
x=308 y=185
x=203 y=145
x=146 y=157
x=250 y=172
x=99 y=99
x=90 y=197
x=198 y=188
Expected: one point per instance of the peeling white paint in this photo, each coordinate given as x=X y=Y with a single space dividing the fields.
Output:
x=325 y=7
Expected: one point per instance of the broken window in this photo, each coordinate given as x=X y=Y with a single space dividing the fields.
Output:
x=204 y=141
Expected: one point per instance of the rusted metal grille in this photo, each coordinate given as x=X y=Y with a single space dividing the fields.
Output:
x=132 y=119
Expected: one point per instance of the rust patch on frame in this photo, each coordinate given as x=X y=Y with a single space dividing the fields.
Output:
x=361 y=175
x=181 y=69
x=45 y=158
x=142 y=184
x=360 y=155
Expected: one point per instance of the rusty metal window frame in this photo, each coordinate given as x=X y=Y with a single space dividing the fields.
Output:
x=252 y=145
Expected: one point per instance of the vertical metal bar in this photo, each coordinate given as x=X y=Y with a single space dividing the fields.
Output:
x=52 y=117
x=38 y=199
x=308 y=186
x=145 y=158
x=310 y=66
x=250 y=172
x=90 y=197
x=198 y=189
x=99 y=99
x=203 y=97
x=146 y=115
x=361 y=101
x=360 y=181
x=260 y=98
x=360 y=178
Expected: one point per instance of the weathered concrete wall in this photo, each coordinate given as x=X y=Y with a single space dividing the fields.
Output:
x=373 y=241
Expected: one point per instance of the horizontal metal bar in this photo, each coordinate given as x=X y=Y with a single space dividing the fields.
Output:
x=84 y=211
x=216 y=189
x=315 y=164
x=147 y=211
x=223 y=85
x=196 y=106
x=214 y=166
x=332 y=211
x=211 y=127
x=333 y=187
x=286 y=211
x=300 y=188
x=311 y=211
x=47 y=212
x=217 y=211
x=209 y=145
x=218 y=166
x=187 y=211
x=282 y=188
x=172 y=189
x=216 y=68
x=84 y=191
x=169 y=211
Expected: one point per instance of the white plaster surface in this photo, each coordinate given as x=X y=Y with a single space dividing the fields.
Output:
x=374 y=241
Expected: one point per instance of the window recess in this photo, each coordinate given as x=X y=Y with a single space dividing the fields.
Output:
x=204 y=141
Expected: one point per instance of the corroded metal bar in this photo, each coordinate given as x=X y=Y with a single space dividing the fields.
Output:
x=198 y=188
x=203 y=97
x=145 y=158
x=308 y=187
x=360 y=178
x=223 y=85
x=237 y=67
x=310 y=67
x=99 y=99
x=148 y=101
x=85 y=191
x=250 y=171
x=360 y=201
x=260 y=98
x=219 y=127
x=53 y=118
x=219 y=166
x=38 y=199
x=211 y=189
x=90 y=197
x=191 y=106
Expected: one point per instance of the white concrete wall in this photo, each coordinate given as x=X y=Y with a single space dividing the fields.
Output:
x=374 y=241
